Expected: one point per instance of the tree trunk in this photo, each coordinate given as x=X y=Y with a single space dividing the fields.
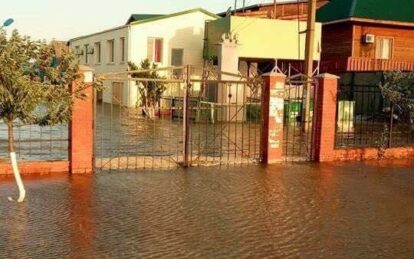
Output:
x=22 y=191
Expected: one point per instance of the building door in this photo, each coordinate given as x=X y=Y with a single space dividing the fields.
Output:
x=117 y=93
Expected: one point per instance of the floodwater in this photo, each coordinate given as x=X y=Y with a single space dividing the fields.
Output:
x=296 y=210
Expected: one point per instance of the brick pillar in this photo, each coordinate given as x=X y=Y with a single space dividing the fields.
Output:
x=324 y=119
x=81 y=129
x=272 y=111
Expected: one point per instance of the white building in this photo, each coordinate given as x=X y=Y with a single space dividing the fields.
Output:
x=167 y=40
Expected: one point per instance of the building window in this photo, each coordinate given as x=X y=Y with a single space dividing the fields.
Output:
x=154 y=51
x=177 y=60
x=122 y=43
x=111 y=51
x=384 y=48
x=86 y=54
x=97 y=52
x=77 y=51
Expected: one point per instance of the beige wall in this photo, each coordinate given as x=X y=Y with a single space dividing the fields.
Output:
x=263 y=38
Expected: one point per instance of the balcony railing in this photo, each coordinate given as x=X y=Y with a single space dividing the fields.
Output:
x=365 y=64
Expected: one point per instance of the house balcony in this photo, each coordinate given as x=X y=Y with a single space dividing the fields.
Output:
x=352 y=64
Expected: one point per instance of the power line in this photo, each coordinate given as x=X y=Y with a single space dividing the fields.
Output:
x=246 y=21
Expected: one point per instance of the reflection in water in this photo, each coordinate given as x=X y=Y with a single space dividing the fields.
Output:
x=303 y=210
x=83 y=231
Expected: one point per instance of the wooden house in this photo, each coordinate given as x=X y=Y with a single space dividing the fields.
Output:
x=285 y=10
x=367 y=35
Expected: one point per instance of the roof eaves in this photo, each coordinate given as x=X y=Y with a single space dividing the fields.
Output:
x=287 y=2
x=176 y=14
x=97 y=33
x=373 y=21
x=139 y=17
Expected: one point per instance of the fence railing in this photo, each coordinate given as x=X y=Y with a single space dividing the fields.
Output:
x=365 y=64
x=366 y=119
x=369 y=64
x=35 y=143
x=210 y=117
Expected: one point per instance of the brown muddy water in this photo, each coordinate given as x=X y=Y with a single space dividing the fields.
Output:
x=289 y=211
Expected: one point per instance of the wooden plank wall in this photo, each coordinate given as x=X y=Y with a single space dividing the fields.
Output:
x=336 y=41
x=288 y=11
x=403 y=41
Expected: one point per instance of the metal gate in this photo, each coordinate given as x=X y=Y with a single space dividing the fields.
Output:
x=203 y=117
x=298 y=126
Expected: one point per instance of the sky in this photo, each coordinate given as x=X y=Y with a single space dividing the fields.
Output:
x=66 y=19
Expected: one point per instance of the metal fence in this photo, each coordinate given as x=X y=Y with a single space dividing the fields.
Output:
x=366 y=119
x=35 y=143
x=297 y=129
x=201 y=119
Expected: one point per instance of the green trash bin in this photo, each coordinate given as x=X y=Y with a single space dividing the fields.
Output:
x=292 y=110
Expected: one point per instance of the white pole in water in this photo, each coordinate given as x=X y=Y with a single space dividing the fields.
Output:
x=22 y=191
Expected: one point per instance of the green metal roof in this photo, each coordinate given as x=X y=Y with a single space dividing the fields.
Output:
x=139 y=17
x=176 y=14
x=387 y=10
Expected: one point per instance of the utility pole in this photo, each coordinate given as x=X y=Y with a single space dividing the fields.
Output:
x=309 y=48
x=274 y=9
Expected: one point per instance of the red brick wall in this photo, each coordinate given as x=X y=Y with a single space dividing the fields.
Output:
x=372 y=153
x=323 y=133
x=41 y=167
x=324 y=125
x=80 y=144
x=81 y=134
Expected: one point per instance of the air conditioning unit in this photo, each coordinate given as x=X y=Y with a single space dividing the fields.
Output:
x=369 y=38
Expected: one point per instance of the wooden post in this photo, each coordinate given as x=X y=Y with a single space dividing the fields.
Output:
x=309 y=48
